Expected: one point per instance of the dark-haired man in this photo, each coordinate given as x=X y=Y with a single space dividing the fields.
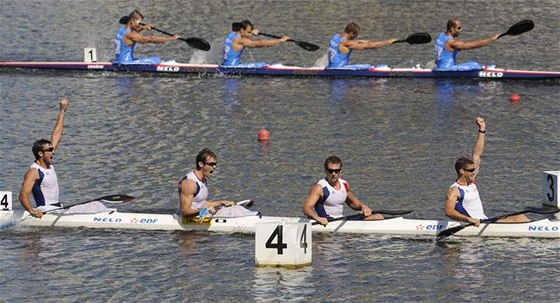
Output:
x=40 y=179
x=462 y=201
x=341 y=46
x=239 y=39
x=327 y=197
x=193 y=192
x=447 y=46
x=129 y=35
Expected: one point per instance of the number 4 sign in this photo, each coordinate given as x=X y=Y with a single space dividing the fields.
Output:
x=5 y=200
x=283 y=244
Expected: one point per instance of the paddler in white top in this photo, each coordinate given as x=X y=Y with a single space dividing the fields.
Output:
x=40 y=179
x=192 y=188
x=462 y=201
x=327 y=197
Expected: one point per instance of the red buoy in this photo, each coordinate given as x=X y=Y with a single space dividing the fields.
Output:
x=264 y=135
x=514 y=98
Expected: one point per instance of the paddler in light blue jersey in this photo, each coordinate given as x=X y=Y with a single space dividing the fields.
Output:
x=341 y=46
x=129 y=35
x=239 y=39
x=446 y=48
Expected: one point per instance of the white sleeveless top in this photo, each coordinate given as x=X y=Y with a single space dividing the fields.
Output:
x=469 y=203
x=200 y=194
x=45 y=190
x=332 y=202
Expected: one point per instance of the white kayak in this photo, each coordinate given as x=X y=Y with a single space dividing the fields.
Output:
x=545 y=228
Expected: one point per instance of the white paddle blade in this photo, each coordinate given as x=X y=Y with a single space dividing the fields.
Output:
x=247 y=203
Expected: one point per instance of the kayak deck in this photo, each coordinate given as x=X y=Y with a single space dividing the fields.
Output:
x=545 y=228
x=282 y=70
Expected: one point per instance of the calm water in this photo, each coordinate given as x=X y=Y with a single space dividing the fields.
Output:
x=398 y=138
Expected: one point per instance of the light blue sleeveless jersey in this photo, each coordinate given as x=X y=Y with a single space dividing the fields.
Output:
x=336 y=58
x=124 y=54
x=230 y=56
x=445 y=60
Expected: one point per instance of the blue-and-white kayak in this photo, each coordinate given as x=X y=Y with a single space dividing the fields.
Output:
x=281 y=70
x=545 y=228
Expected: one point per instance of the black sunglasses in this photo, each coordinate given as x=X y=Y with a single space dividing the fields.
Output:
x=336 y=171
x=470 y=170
x=51 y=149
x=211 y=163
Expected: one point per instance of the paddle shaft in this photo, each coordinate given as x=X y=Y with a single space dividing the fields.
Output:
x=164 y=32
x=453 y=230
x=360 y=215
x=194 y=42
x=110 y=198
x=124 y=20
x=245 y=203
x=276 y=37
x=305 y=45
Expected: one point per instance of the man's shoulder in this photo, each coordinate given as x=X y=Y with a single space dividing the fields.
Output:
x=242 y=40
x=32 y=172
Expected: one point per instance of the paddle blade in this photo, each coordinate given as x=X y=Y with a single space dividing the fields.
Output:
x=307 y=46
x=116 y=198
x=246 y=203
x=417 y=38
x=236 y=26
x=519 y=28
x=124 y=19
x=197 y=43
x=450 y=231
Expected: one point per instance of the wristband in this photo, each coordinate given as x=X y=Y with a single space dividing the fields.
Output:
x=482 y=131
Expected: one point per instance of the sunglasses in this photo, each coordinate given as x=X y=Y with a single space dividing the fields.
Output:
x=50 y=150
x=211 y=163
x=336 y=171
x=471 y=170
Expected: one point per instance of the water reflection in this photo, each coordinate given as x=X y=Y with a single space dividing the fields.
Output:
x=32 y=248
x=463 y=262
x=448 y=90
x=231 y=86
x=338 y=89
x=264 y=147
x=282 y=284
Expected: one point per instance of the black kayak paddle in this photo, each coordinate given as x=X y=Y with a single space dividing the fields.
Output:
x=417 y=38
x=519 y=28
x=305 y=45
x=193 y=42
